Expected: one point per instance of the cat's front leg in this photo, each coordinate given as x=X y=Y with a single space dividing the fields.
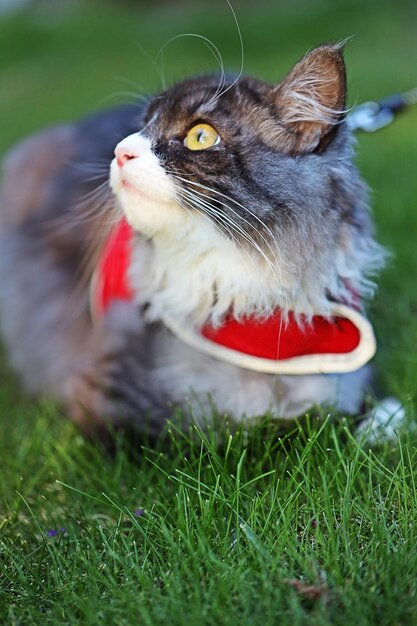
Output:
x=344 y=393
x=116 y=389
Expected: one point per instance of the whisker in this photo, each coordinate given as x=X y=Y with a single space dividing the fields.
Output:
x=242 y=58
x=159 y=69
x=219 y=193
x=139 y=88
x=136 y=96
x=89 y=260
x=216 y=53
x=246 y=221
x=96 y=177
x=228 y=219
x=216 y=219
x=97 y=169
x=275 y=267
x=97 y=203
x=228 y=223
x=210 y=45
x=89 y=167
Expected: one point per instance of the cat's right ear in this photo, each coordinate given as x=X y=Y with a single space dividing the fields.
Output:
x=310 y=101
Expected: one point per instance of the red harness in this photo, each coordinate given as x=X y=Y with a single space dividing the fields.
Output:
x=343 y=342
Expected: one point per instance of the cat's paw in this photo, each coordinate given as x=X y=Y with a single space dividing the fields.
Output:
x=383 y=422
x=87 y=404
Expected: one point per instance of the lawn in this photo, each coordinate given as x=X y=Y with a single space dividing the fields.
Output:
x=247 y=526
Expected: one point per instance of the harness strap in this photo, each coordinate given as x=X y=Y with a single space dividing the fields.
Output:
x=278 y=344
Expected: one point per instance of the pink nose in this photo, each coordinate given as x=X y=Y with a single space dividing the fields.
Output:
x=123 y=155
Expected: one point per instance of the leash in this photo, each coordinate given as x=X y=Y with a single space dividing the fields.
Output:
x=371 y=116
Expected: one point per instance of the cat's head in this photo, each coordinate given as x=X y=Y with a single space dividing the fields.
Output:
x=243 y=165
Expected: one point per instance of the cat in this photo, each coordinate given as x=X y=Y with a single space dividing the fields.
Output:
x=239 y=200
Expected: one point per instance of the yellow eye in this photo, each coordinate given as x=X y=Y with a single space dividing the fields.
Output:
x=201 y=136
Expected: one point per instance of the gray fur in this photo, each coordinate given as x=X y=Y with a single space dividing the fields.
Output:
x=126 y=370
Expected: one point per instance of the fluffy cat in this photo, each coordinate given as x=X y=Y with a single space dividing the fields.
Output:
x=244 y=200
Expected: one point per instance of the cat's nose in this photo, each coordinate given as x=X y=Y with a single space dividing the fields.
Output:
x=124 y=154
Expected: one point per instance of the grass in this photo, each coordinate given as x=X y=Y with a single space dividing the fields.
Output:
x=222 y=527
x=217 y=529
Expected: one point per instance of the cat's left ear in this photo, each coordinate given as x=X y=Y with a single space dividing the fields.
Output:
x=311 y=99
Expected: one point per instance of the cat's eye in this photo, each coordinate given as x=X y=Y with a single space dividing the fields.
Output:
x=201 y=136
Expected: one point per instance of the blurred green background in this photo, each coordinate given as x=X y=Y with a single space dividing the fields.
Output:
x=60 y=59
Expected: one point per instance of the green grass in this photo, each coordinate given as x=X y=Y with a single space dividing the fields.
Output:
x=227 y=527
x=240 y=527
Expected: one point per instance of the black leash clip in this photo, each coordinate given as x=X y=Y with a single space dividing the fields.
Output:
x=372 y=116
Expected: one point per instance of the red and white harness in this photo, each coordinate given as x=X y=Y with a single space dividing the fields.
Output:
x=340 y=343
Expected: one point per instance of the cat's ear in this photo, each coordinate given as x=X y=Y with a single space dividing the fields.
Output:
x=310 y=100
